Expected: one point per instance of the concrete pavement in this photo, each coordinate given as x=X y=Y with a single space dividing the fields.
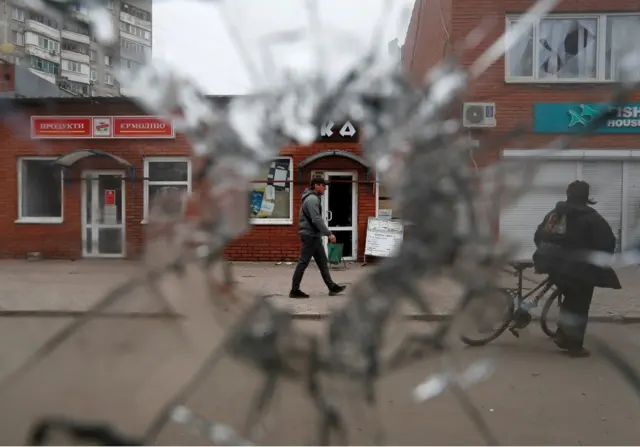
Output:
x=76 y=286
x=537 y=396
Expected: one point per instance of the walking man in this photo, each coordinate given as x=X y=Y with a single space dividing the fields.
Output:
x=564 y=240
x=311 y=229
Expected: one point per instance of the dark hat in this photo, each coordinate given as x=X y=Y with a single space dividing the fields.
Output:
x=578 y=192
x=317 y=181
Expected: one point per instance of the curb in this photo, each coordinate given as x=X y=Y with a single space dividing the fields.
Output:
x=618 y=319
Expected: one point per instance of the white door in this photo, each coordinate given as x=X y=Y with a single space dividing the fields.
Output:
x=340 y=210
x=519 y=222
x=103 y=217
x=605 y=181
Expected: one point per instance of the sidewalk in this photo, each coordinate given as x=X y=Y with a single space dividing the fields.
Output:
x=76 y=286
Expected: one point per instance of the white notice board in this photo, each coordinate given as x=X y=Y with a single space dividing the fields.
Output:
x=383 y=237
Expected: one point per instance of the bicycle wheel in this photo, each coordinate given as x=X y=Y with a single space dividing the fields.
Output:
x=505 y=306
x=544 y=317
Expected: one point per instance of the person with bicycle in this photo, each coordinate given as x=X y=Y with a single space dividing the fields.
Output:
x=564 y=240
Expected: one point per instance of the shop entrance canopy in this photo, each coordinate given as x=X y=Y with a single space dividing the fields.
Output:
x=68 y=160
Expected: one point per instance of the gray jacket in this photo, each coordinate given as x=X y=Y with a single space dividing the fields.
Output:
x=310 y=219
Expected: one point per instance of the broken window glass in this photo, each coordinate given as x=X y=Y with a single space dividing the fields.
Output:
x=567 y=48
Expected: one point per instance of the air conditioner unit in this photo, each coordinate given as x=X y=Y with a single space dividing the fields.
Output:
x=92 y=82
x=479 y=114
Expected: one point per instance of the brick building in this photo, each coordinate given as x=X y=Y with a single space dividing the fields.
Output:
x=552 y=81
x=79 y=180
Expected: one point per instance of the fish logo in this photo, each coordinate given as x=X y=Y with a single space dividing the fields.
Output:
x=585 y=116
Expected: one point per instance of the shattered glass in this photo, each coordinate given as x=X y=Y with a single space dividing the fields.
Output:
x=164 y=378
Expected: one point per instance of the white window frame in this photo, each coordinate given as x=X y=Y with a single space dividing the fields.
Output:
x=601 y=50
x=19 y=38
x=38 y=220
x=281 y=220
x=108 y=79
x=147 y=183
x=16 y=13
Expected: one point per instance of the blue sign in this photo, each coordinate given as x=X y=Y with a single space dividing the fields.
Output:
x=574 y=117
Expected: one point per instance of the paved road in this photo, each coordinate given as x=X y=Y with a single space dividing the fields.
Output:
x=65 y=285
x=116 y=370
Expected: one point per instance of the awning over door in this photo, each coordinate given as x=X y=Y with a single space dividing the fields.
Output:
x=73 y=157
x=334 y=153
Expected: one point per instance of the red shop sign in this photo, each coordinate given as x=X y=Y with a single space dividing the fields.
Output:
x=61 y=127
x=142 y=127
x=109 y=197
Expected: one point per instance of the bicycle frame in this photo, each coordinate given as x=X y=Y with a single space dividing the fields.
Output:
x=541 y=289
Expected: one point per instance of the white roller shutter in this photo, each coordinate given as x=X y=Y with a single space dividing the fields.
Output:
x=632 y=180
x=605 y=180
x=518 y=223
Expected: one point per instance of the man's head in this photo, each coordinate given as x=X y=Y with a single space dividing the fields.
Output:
x=318 y=185
x=578 y=193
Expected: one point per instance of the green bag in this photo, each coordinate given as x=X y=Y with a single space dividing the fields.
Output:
x=334 y=253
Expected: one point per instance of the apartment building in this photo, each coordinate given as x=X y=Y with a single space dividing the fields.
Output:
x=553 y=81
x=66 y=54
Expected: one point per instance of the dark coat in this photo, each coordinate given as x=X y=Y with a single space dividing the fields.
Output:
x=563 y=256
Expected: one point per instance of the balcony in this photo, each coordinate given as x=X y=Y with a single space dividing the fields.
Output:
x=76 y=37
x=128 y=18
x=75 y=77
x=46 y=76
x=135 y=38
x=42 y=53
x=76 y=57
x=45 y=30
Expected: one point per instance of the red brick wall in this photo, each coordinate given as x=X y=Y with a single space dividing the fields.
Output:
x=262 y=243
x=428 y=37
x=514 y=102
x=281 y=242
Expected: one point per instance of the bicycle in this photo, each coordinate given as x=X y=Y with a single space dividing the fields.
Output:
x=517 y=306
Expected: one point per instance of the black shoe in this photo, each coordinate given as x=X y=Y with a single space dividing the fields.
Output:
x=336 y=290
x=299 y=294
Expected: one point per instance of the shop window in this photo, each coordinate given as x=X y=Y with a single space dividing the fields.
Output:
x=272 y=199
x=165 y=175
x=386 y=203
x=39 y=191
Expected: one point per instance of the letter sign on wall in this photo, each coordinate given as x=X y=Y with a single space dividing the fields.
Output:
x=85 y=127
x=346 y=132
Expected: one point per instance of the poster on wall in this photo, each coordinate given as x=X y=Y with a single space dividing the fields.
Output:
x=271 y=199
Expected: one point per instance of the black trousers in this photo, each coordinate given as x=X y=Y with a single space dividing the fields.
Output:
x=574 y=313
x=312 y=248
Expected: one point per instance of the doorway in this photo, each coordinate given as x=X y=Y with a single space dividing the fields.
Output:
x=103 y=217
x=340 y=210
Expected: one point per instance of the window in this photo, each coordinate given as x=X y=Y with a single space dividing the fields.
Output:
x=110 y=4
x=17 y=38
x=131 y=65
x=94 y=75
x=135 y=30
x=162 y=174
x=272 y=200
x=76 y=27
x=563 y=48
x=17 y=14
x=68 y=45
x=39 y=191
x=48 y=44
x=108 y=79
x=44 y=20
x=44 y=65
x=133 y=47
x=93 y=55
x=385 y=202
x=138 y=13
x=76 y=67
x=78 y=88
x=108 y=60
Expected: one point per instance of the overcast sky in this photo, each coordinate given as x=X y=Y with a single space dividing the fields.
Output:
x=192 y=35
